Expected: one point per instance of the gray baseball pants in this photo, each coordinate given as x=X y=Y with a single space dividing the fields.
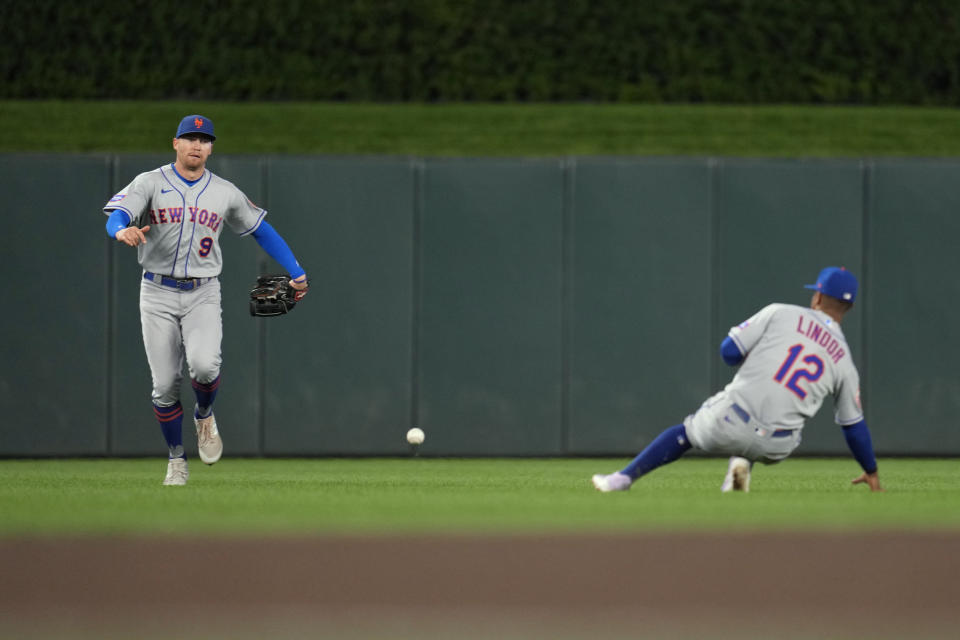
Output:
x=180 y=325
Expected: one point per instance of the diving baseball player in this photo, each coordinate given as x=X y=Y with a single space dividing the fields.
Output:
x=174 y=215
x=791 y=358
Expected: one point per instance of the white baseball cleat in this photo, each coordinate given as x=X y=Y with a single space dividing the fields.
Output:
x=738 y=475
x=209 y=444
x=177 y=472
x=613 y=482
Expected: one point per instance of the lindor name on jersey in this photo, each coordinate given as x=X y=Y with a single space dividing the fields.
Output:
x=815 y=331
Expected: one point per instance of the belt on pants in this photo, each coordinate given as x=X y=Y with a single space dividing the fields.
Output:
x=183 y=284
x=782 y=433
x=776 y=433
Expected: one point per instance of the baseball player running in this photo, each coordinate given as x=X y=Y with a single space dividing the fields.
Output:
x=174 y=216
x=792 y=358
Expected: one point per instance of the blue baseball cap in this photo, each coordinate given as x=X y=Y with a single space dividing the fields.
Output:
x=196 y=124
x=836 y=282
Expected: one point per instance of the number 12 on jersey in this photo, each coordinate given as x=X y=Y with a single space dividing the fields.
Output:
x=811 y=373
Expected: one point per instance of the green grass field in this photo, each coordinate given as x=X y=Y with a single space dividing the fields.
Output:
x=530 y=130
x=424 y=495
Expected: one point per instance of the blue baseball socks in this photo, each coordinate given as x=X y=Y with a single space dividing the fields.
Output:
x=667 y=447
x=171 y=423
x=206 y=392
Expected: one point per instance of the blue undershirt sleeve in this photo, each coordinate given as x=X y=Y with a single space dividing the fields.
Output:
x=858 y=439
x=277 y=248
x=118 y=220
x=731 y=352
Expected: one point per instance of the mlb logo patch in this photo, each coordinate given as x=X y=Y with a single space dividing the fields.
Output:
x=118 y=197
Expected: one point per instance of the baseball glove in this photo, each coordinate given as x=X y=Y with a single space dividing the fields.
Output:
x=273 y=296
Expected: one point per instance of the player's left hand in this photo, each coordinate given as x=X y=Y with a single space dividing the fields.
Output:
x=300 y=285
x=870 y=479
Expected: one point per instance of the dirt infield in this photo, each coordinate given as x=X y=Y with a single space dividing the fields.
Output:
x=650 y=585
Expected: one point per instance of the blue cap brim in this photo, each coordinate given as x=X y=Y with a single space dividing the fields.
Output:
x=194 y=133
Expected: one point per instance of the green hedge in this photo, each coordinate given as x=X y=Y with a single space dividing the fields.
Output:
x=757 y=51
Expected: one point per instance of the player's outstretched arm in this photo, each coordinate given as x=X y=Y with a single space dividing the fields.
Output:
x=299 y=283
x=277 y=248
x=861 y=445
x=872 y=480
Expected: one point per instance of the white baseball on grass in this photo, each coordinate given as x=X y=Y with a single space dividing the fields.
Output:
x=415 y=436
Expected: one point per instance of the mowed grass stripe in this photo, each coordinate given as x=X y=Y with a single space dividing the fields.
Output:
x=508 y=130
x=427 y=495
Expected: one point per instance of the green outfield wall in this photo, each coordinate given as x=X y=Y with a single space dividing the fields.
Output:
x=555 y=306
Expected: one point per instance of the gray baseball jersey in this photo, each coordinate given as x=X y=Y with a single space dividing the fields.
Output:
x=795 y=357
x=185 y=220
